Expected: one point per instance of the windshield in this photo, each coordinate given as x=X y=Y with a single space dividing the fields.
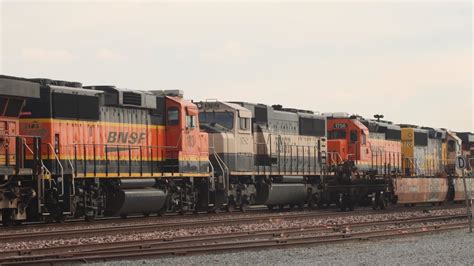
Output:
x=337 y=134
x=224 y=119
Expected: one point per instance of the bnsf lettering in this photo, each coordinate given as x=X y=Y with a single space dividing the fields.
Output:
x=125 y=137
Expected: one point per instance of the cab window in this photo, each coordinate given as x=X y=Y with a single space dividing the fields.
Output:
x=337 y=134
x=244 y=123
x=451 y=146
x=217 y=119
x=353 y=136
x=190 y=121
x=172 y=116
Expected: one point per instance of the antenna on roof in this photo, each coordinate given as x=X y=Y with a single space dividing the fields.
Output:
x=378 y=117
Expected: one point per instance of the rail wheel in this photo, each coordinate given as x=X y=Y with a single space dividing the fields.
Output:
x=281 y=206
x=161 y=211
x=270 y=207
x=382 y=203
x=89 y=218
x=244 y=207
x=230 y=207
x=311 y=203
x=213 y=210
x=342 y=207
x=7 y=217
x=60 y=218
x=123 y=216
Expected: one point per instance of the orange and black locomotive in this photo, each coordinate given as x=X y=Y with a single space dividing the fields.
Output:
x=107 y=151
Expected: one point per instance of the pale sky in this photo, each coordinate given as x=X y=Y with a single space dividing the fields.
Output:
x=412 y=62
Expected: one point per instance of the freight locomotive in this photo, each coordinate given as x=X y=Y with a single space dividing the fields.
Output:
x=68 y=150
x=272 y=156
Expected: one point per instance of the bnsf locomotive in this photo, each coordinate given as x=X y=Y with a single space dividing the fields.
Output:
x=68 y=150
x=107 y=151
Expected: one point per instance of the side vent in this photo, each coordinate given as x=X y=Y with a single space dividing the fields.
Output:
x=131 y=98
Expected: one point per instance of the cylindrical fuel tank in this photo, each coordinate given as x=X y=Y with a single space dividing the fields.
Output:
x=136 y=183
x=289 y=179
x=136 y=201
x=276 y=194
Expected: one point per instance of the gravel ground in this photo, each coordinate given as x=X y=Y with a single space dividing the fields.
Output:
x=265 y=225
x=447 y=248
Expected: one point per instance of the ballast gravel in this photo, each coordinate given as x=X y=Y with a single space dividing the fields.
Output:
x=446 y=248
x=205 y=230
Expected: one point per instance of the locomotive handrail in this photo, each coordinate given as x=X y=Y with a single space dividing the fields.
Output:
x=73 y=177
x=223 y=166
x=60 y=166
x=43 y=167
x=332 y=156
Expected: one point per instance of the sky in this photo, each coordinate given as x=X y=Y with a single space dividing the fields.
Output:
x=410 y=61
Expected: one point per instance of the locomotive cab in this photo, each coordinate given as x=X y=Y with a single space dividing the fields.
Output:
x=186 y=146
x=372 y=146
x=16 y=192
x=229 y=127
x=346 y=139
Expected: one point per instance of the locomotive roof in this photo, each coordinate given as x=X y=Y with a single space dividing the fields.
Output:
x=466 y=136
x=125 y=97
x=71 y=90
x=19 y=87
x=279 y=108
x=244 y=112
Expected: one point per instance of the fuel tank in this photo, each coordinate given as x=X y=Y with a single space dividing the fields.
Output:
x=136 y=201
x=276 y=194
x=289 y=179
x=137 y=183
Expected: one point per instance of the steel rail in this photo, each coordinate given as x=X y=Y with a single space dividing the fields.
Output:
x=187 y=245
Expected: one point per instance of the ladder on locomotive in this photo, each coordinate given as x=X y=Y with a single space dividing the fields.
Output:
x=219 y=173
x=46 y=175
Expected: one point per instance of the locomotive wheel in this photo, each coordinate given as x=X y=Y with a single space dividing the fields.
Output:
x=89 y=218
x=230 y=207
x=281 y=206
x=161 y=211
x=244 y=207
x=7 y=217
x=270 y=207
x=311 y=203
x=301 y=206
x=351 y=207
x=321 y=205
x=213 y=210
x=374 y=206
x=60 y=219
x=48 y=219
x=291 y=206
x=342 y=207
x=382 y=203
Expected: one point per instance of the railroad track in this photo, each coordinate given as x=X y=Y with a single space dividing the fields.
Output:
x=161 y=225
x=285 y=237
x=166 y=224
x=171 y=216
